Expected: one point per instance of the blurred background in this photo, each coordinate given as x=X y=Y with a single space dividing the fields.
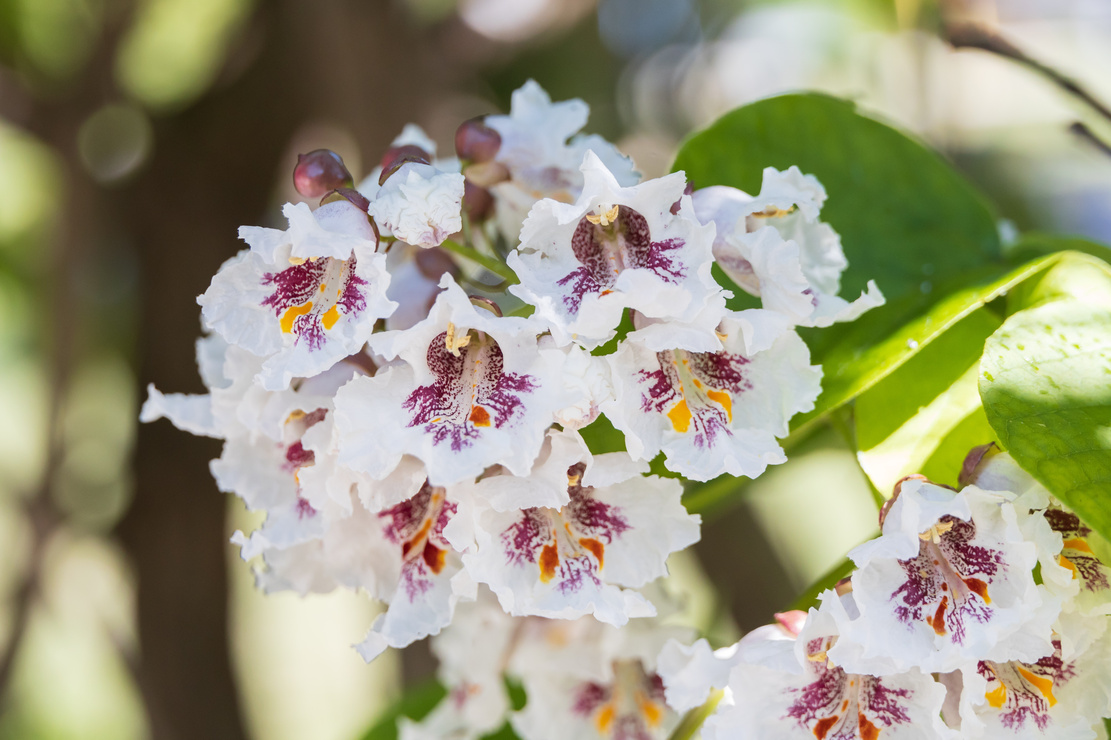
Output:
x=137 y=135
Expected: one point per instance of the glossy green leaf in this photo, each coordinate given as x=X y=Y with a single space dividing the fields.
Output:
x=1046 y=387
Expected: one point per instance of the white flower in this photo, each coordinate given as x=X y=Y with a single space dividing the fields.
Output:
x=541 y=161
x=824 y=700
x=1056 y=696
x=713 y=412
x=420 y=204
x=414 y=282
x=303 y=298
x=587 y=381
x=583 y=264
x=773 y=246
x=616 y=530
x=690 y=672
x=950 y=580
x=471 y=390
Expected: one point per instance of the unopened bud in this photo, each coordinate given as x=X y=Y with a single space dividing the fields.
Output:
x=396 y=156
x=487 y=174
x=478 y=203
x=434 y=262
x=476 y=142
x=792 y=622
x=351 y=195
x=971 y=466
x=319 y=172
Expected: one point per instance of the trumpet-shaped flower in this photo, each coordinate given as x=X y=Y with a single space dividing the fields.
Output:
x=303 y=298
x=583 y=263
x=420 y=204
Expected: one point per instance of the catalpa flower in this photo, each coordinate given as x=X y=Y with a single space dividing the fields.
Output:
x=472 y=389
x=431 y=580
x=713 y=412
x=583 y=264
x=774 y=247
x=615 y=530
x=819 y=698
x=1057 y=696
x=542 y=163
x=303 y=298
x=950 y=580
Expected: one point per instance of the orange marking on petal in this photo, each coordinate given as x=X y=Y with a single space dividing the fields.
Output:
x=1042 y=683
x=1078 y=544
x=997 y=697
x=680 y=416
x=417 y=538
x=330 y=317
x=1066 y=563
x=323 y=287
x=549 y=561
x=937 y=621
x=978 y=587
x=292 y=313
x=480 y=417
x=724 y=399
x=867 y=730
x=650 y=710
x=604 y=719
x=822 y=728
x=844 y=705
x=434 y=557
x=595 y=547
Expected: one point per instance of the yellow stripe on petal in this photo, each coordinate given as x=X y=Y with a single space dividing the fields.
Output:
x=330 y=317
x=997 y=696
x=1041 y=683
x=1066 y=563
x=724 y=399
x=604 y=719
x=680 y=416
x=1077 y=544
x=292 y=313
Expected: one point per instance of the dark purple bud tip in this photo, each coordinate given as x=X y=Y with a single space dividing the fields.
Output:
x=396 y=156
x=971 y=467
x=489 y=305
x=319 y=172
x=351 y=195
x=478 y=203
x=476 y=142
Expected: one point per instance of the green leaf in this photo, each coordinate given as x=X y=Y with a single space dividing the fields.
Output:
x=414 y=704
x=829 y=579
x=1046 y=387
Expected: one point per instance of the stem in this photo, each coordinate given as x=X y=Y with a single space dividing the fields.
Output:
x=974 y=36
x=493 y=265
x=692 y=720
x=1086 y=133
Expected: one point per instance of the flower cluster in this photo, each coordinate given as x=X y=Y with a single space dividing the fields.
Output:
x=979 y=613
x=410 y=426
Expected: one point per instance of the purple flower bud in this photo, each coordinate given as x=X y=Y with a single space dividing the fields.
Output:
x=434 y=262
x=478 y=203
x=396 y=156
x=319 y=172
x=476 y=142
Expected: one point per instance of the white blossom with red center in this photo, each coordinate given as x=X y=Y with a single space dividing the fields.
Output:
x=819 y=699
x=542 y=153
x=1058 y=696
x=775 y=247
x=950 y=580
x=614 y=533
x=713 y=412
x=419 y=204
x=303 y=298
x=582 y=264
x=471 y=390
x=431 y=580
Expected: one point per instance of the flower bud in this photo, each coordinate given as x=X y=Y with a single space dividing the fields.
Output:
x=487 y=174
x=476 y=142
x=319 y=172
x=396 y=156
x=433 y=262
x=478 y=203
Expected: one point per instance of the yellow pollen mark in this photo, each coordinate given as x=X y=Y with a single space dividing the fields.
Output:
x=454 y=343
x=292 y=313
x=297 y=260
x=339 y=292
x=604 y=719
x=680 y=416
x=1077 y=544
x=330 y=317
x=697 y=382
x=1043 y=684
x=1066 y=563
x=573 y=480
x=323 y=287
x=650 y=710
x=724 y=399
x=997 y=696
x=772 y=212
x=819 y=657
x=295 y=415
x=935 y=532
x=603 y=219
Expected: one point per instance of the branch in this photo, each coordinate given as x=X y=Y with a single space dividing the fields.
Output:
x=975 y=36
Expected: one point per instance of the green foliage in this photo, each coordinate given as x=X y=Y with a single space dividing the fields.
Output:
x=414 y=704
x=1045 y=380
